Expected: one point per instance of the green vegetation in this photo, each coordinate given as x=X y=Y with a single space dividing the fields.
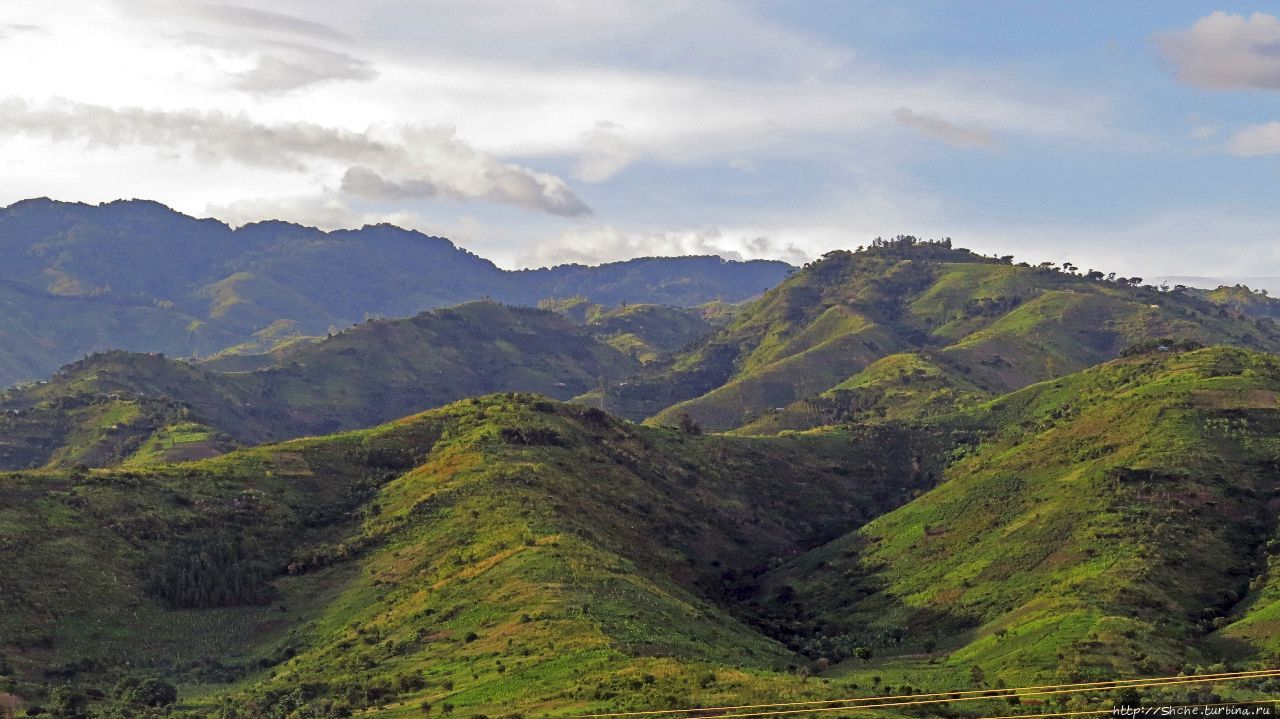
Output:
x=905 y=386
x=511 y=553
x=138 y=408
x=1110 y=523
x=1240 y=300
x=646 y=333
x=498 y=553
x=138 y=276
x=944 y=471
x=960 y=326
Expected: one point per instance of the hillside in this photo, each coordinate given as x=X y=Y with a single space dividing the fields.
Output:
x=109 y=408
x=646 y=333
x=500 y=554
x=906 y=323
x=900 y=331
x=514 y=554
x=1240 y=299
x=136 y=275
x=1115 y=522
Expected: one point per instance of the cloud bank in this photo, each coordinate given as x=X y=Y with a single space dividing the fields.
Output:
x=594 y=245
x=379 y=163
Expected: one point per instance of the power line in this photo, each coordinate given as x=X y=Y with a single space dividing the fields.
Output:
x=1085 y=712
x=954 y=695
x=1003 y=693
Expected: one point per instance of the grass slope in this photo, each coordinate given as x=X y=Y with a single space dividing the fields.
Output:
x=371 y=373
x=499 y=554
x=1115 y=522
x=646 y=333
x=977 y=326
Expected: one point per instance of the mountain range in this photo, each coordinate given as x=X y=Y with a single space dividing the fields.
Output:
x=136 y=275
x=902 y=330
x=904 y=468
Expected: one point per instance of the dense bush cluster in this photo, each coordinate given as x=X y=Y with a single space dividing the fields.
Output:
x=211 y=572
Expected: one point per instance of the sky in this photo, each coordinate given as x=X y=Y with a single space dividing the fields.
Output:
x=1136 y=137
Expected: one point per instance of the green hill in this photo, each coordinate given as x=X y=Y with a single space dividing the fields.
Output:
x=1115 y=522
x=513 y=554
x=136 y=275
x=961 y=327
x=1239 y=299
x=647 y=333
x=500 y=554
x=943 y=471
x=105 y=409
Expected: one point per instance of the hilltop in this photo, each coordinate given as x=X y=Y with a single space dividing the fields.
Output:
x=136 y=275
x=909 y=328
x=497 y=553
x=900 y=331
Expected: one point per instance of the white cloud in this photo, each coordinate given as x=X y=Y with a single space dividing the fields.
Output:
x=1210 y=240
x=1256 y=140
x=713 y=38
x=396 y=161
x=325 y=211
x=351 y=113
x=546 y=75
x=1216 y=240
x=7 y=29
x=285 y=67
x=1223 y=51
x=605 y=153
x=604 y=243
x=262 y=52
x=240 y=18
x=961 y=137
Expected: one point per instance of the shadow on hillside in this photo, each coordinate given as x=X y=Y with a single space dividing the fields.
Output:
x=830 y=606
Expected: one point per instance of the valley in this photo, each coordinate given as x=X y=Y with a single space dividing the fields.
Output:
x=906 y=469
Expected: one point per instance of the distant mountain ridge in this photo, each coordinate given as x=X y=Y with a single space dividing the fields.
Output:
x=907 y=327
x=899 y=331
x=118 y=406
x=137 y=275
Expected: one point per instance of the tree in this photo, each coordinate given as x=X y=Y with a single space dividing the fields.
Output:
x=1128 y=698
x=67 y=703
x=147 y=692
x=689 y=425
